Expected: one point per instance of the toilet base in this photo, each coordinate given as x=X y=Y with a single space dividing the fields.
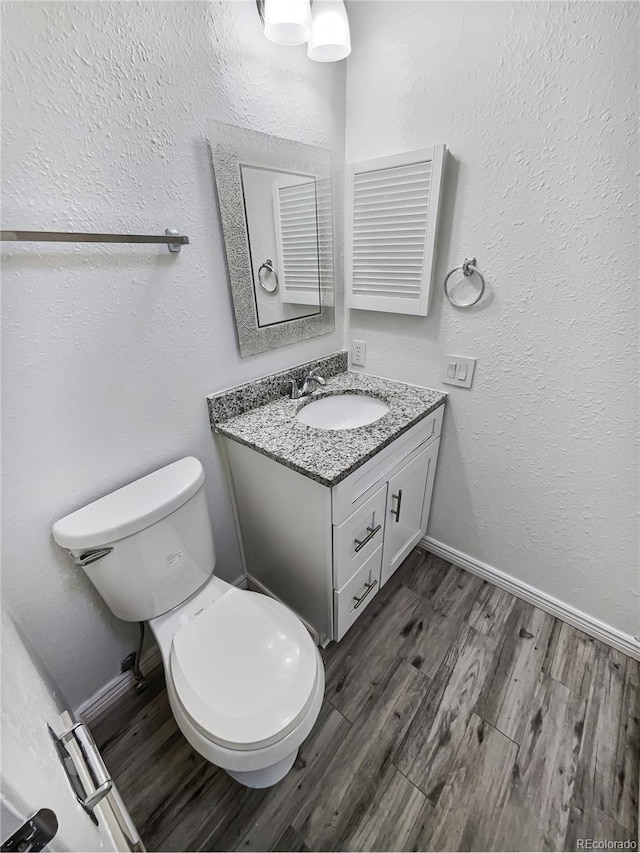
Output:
x=268 y=776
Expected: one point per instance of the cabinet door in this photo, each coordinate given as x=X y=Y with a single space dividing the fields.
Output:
x=408 y=503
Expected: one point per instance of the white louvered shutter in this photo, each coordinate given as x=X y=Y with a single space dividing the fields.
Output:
x=392 y=221
x=296 y=220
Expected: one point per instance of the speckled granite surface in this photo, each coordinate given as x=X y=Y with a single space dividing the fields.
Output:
x=328 y=456
x=242 y=398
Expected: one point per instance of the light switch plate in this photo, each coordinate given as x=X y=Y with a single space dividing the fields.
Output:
x=458 y=370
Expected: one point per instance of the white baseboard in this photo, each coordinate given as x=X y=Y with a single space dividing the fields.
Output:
x=111 y=692
x=108 y=695
x=600 y=630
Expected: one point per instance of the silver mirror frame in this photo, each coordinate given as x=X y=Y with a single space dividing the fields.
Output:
x=232 y=146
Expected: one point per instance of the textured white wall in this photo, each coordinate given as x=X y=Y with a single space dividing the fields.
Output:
x=110 y=351
x=537 y=103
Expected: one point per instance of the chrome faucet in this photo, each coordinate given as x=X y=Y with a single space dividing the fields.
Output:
x=303 y=388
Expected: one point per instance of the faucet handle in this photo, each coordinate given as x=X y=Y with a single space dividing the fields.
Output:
x=294 y=389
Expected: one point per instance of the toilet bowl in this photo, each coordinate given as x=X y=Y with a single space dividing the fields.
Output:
x=249 y=711
x=244 y=678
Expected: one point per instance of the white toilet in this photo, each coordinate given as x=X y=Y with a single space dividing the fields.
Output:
x=244 y=678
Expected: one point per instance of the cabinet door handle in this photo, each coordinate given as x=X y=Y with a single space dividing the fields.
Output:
x=396 y=511
x=360 y=543
x=359 y=599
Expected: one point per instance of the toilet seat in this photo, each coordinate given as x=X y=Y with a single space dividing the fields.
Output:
x=244 y=670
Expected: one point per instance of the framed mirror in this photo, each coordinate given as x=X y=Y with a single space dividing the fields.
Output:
x=274 y=197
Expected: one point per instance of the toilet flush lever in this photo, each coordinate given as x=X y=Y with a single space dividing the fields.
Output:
x=88 y=557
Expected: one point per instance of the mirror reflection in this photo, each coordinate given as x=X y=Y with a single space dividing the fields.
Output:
x=275 y=203
x=281 y=212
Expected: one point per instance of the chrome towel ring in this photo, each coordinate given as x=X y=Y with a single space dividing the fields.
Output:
x=468 y=268
x=264 y=276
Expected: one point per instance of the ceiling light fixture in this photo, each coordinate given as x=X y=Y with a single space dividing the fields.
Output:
x=322 y=23
x=286 y=21
x=330 y=39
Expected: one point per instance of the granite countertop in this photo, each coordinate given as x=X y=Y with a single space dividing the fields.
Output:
x=328 y=456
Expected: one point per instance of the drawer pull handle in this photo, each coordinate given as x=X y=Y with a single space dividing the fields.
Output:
x=396 y=511
x=359 y=599
x=360 y=543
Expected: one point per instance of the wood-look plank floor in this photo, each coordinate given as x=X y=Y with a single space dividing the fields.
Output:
x=456 y=717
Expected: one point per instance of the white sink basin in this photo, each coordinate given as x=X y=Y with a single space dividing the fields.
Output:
x=342 y=411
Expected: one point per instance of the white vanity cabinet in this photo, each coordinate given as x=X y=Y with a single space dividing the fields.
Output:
x=326 y=551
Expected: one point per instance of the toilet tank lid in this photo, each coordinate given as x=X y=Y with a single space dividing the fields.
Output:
x=131 y=508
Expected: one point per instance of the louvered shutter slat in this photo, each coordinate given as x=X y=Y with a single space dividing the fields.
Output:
x=392 y=220
x=297 y=223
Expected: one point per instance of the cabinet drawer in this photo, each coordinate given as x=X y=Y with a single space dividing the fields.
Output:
x=358 y=537
x=358 y=487
x=355 y=595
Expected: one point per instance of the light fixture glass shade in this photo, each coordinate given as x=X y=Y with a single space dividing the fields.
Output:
x=287 y=21
x=330 y=39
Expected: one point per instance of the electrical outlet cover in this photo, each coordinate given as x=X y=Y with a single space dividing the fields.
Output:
x=358 y=353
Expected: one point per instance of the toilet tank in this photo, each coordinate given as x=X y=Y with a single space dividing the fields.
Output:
x=148 y=546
